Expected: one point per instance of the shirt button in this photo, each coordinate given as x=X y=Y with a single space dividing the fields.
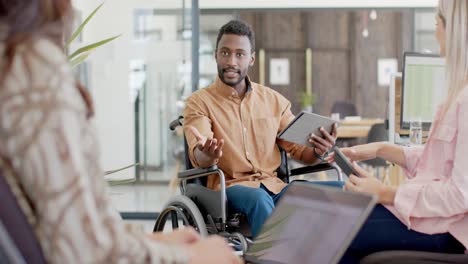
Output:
x=247 y=154
x=245 y=130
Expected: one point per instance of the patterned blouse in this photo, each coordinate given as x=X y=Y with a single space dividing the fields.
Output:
x=52 y=148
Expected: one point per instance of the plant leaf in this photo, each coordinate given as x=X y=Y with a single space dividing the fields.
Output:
x=90 y=47
x=77 y=61
x=81 y=27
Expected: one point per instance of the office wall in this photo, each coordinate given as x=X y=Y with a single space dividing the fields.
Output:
x=280 y=34
x=388 y=38
x=344 y=63
x=329 y=38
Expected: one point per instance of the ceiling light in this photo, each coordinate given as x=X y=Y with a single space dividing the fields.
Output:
x=365 y=33
x=373 y=14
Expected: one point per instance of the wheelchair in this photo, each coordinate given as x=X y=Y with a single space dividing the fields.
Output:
x=206 y=210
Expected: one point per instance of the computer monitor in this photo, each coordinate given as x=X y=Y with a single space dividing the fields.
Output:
x=393 y=105
x=423 y=88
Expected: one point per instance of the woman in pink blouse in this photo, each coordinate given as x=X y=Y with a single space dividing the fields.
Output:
x=48 y=141
x=429 y=212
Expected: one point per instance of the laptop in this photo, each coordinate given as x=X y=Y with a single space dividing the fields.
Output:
x=310 y=224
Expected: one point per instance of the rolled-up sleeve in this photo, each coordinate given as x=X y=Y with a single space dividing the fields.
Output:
x=412 y=156
x=196 y=115
x=447 y=197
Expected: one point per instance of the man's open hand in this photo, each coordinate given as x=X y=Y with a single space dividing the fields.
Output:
x=211 y=148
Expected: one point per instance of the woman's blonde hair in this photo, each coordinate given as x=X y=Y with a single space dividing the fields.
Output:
x=454 y=15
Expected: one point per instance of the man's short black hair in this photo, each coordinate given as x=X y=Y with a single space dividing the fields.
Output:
x=240 y=28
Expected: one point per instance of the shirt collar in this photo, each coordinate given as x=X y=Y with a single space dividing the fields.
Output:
x=227 y=91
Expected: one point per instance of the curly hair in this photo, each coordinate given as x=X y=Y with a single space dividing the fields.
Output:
x=240 y=28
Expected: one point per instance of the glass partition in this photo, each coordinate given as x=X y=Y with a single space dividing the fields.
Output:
x=162 y=44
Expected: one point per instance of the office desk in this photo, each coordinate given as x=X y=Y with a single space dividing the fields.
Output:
x=356 y=128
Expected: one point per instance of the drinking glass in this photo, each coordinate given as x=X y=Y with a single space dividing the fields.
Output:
x=335 y=116
x=415 y=133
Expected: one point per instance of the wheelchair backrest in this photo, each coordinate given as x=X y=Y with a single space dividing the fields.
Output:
x=179 y=122
x=282 y=171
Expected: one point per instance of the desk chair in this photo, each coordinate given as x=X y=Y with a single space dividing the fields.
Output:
x=344 y=109
x=18 y=230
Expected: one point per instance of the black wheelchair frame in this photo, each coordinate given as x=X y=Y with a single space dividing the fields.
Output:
x=205 y=209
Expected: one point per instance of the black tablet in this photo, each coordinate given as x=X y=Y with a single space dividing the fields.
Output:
x=344 y=163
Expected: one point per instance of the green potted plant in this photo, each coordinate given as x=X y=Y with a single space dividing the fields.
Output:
x=307 y=99
x=82 y=53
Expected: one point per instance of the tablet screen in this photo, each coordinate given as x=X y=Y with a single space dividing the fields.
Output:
x=299 y=130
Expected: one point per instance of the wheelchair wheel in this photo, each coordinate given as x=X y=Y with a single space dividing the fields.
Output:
x=181 y=208
x=238 y=240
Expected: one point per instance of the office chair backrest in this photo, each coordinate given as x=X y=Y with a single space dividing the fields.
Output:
x=8 y=251
x=377 y=133
x=344 y=108
x=17 y=226
x=282 y=171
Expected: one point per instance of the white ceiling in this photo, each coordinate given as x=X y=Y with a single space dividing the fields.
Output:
x=266 y=4
x=239 y=4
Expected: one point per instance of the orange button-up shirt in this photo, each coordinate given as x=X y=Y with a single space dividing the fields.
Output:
x=249 y=127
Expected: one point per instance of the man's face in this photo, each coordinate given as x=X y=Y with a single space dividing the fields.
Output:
x=234 y=57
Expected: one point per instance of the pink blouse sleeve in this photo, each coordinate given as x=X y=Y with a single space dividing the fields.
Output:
x=446 y=197
x=412 y=156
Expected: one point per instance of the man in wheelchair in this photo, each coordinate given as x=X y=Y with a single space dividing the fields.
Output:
x=234 y=124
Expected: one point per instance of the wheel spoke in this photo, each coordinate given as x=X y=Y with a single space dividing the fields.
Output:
x=182 y=211
x=175 y=220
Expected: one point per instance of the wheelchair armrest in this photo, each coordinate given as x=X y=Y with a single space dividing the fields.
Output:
x=316 y=168
x=200 y=172
x=175 y=123
x=203 y=172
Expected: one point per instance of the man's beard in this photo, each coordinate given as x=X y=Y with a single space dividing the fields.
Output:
x=231 y=83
